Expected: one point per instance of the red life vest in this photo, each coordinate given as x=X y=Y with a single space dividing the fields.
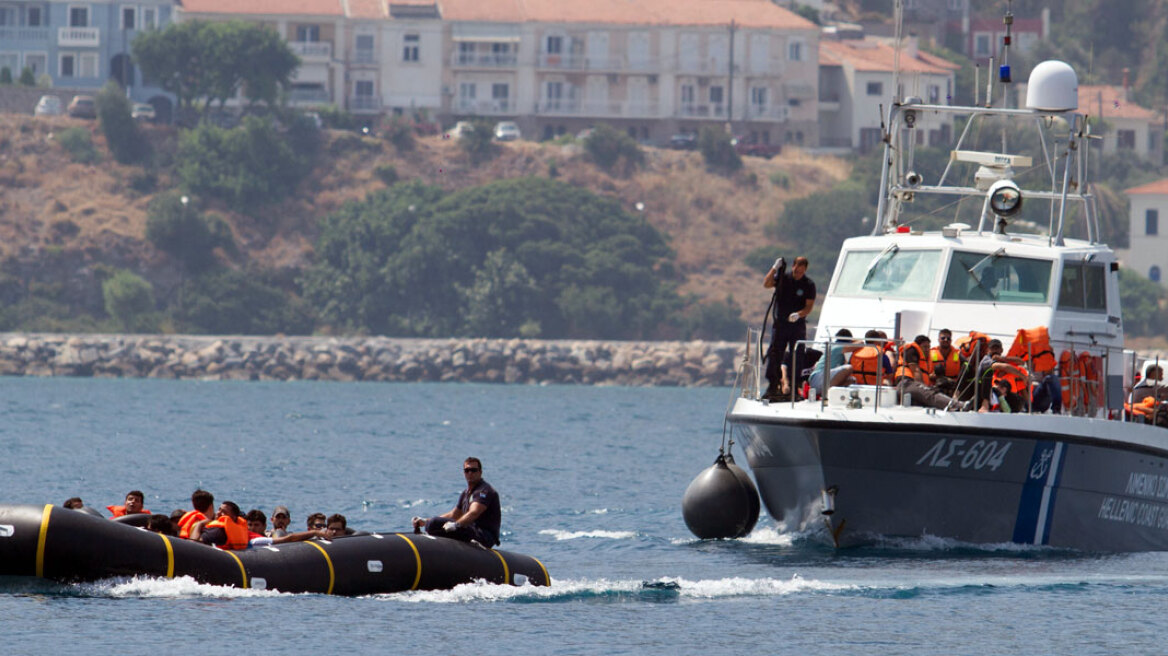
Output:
x=903 y=370
x=120 y=511
x=1033 y=346
x=236 y=530
x=949 y=366
x=1018 y=384
x=973 y=344
x=188 y=520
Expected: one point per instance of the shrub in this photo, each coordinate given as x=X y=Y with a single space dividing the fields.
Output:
x=336 y=118
x=780 y=179
x=244 y=303
x=607 y=146
x=719 y=320
x=27 y=78
x=121 y=132
x=78 y=144
x=5 y=75
x=718 y=151
x=184 y=232
x=386 y=173
x=129 y=300
x=479 y=143
x=143 y=182
x=400 y=133
x=245 y=166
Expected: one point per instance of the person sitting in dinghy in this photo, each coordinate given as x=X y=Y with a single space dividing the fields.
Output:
x=476 y=516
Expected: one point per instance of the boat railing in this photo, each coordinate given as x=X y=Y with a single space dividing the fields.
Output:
x=750 y=369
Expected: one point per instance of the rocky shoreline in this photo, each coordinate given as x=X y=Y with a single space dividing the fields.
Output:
x=525 y=361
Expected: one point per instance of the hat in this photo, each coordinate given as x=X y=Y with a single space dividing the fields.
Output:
x=281 y=509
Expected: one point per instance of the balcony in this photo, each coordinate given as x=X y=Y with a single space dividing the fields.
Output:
x=559 y=107
x=768 y=113
x=702 y=110
x=312 y=50
x=483 y=60
x=483 y=107
x=703 y=66
x=365 y=104
x=78 y=37
x=12 y=35
x=562 y=62
x=363 y=57
x=598 y=108
x=604 y=63
x=309 y=95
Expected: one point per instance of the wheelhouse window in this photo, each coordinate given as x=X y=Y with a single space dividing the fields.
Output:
x=891 y=273
x=1083 y=287
x=997 y=278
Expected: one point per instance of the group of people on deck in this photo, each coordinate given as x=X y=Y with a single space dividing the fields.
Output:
x=476 y=518
x=974 y=375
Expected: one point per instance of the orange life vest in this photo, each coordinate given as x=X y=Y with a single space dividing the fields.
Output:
x=188 y=520
x=866 y=364
x=1033 y=346
x=1018 y=384
x=236 y=530
x=973 y=344
x=903 y=370
x=1143 y=409
x=1091 y=367
x=945 y=366
x=120 y=511
x=1069 y=379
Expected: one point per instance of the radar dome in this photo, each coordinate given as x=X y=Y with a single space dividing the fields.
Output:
x=1053 y=87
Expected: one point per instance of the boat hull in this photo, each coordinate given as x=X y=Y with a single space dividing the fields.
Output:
x=924 y=476
x=66 y=545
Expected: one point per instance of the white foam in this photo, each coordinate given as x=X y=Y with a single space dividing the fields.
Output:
x=147 y=588
x=573 y=535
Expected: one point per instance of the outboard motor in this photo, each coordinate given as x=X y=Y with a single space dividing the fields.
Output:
x=721 y=502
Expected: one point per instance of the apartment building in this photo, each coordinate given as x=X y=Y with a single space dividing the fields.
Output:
x=1148 y=254
x=857 y=76
x=650 y=67
x=1127 y=129
x=80 y=45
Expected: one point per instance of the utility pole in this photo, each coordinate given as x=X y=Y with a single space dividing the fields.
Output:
x=730 y=89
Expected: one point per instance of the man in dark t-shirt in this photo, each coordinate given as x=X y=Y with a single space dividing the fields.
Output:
x=477 y=515
x=794 y=298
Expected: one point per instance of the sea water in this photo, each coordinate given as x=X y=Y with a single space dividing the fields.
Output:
x=591 y=481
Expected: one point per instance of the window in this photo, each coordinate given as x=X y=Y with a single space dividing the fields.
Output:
x=687 y=95
x=364 y=54
x=501 y=96
x=875 y=88
x=149 y=18
x=308 y=33
x=128 y=18
x=364 y=88
x=36 y=62
x=934 y=94
x=78 y=16
x=35 y=19
x=715 y=95
x=1152 y=223
x=555 y=45
x=1082 y=287
x=466 y=52
x=1125 y=139
x=1154 y=273
x=997 y=278
x=67 y=66
x=467 y=91
x=981 y=45
x=758 y=99
x=411 y=44
x=889 y=274
x=88 y=66
x=555 y=92
x=795 y=51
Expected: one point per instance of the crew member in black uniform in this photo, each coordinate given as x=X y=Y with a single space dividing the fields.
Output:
x=794 y=298
x=477 y=515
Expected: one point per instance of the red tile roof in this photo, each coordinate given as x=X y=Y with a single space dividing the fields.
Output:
x=370 y=8
x=874 y=56
x=265 y=7
x=745 y=13
x=1157 y=187
x=1108 y=102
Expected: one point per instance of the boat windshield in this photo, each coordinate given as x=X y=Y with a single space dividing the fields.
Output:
x=997 y=278
x=890 y=273
x=1083 y=288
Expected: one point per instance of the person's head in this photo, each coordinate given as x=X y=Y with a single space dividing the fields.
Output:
x=257 y=521
x=202 y=501
x=336 y=525
x=1002 y=386
x=229 y=509
x=799 y=269
x=1153 y=371
x=280 y=517
x=472 y=469
x=134 y=501
x=843 y=335
x=160 y=524
x=176 y=515
x=922 y=341
x=74 y=503
x=995 y=347
x=945 y=338
x=872 y=336
x=316 y=521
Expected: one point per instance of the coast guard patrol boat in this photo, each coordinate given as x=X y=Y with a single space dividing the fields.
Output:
x=861 y=463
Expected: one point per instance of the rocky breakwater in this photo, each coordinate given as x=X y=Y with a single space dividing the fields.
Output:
x=371 y=359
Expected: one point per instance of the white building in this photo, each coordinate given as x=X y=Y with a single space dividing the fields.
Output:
x=1148 y=254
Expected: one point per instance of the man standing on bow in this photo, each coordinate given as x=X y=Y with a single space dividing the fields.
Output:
x=794 y=298
x=476 y=517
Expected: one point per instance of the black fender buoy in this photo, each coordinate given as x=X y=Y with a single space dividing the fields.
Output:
x=721 y=502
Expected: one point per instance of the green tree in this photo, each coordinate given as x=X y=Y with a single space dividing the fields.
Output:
x=718 y=150
x=501 y=299
x=1143 y=304
x=246 y=166
x=479 y=143
x=5 y=75
x=184 y=232
x=27 y=77
x=129 y=300
x=121 y=132
x=608 y=146
x=227 y=301
x=175 y=59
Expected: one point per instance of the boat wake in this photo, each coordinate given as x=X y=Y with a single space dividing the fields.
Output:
x=575 y=535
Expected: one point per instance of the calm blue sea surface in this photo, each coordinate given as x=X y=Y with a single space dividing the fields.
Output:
x=591 y=480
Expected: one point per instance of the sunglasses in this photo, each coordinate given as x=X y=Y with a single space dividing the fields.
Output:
x=471 y=469
x=280 y=515
x=319 y=525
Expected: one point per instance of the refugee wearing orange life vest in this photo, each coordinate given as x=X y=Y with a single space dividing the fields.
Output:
x=1032 y=347
x=202 y=501
x=947 y=362
x=912 y=377
x=996 y=368
x=227 y=531
x=133 y=506
x=1147 y=400
x=869 y=363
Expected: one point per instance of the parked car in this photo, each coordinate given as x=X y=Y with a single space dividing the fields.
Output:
x=83 y=107
x=583 y=135
x=684 y=141
x=460 y=130
x=507 y=131
x=142 y=112
x=48 y=106
x=744 y=145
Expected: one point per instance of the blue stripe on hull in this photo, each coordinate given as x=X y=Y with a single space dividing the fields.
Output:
x=1036 y=503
